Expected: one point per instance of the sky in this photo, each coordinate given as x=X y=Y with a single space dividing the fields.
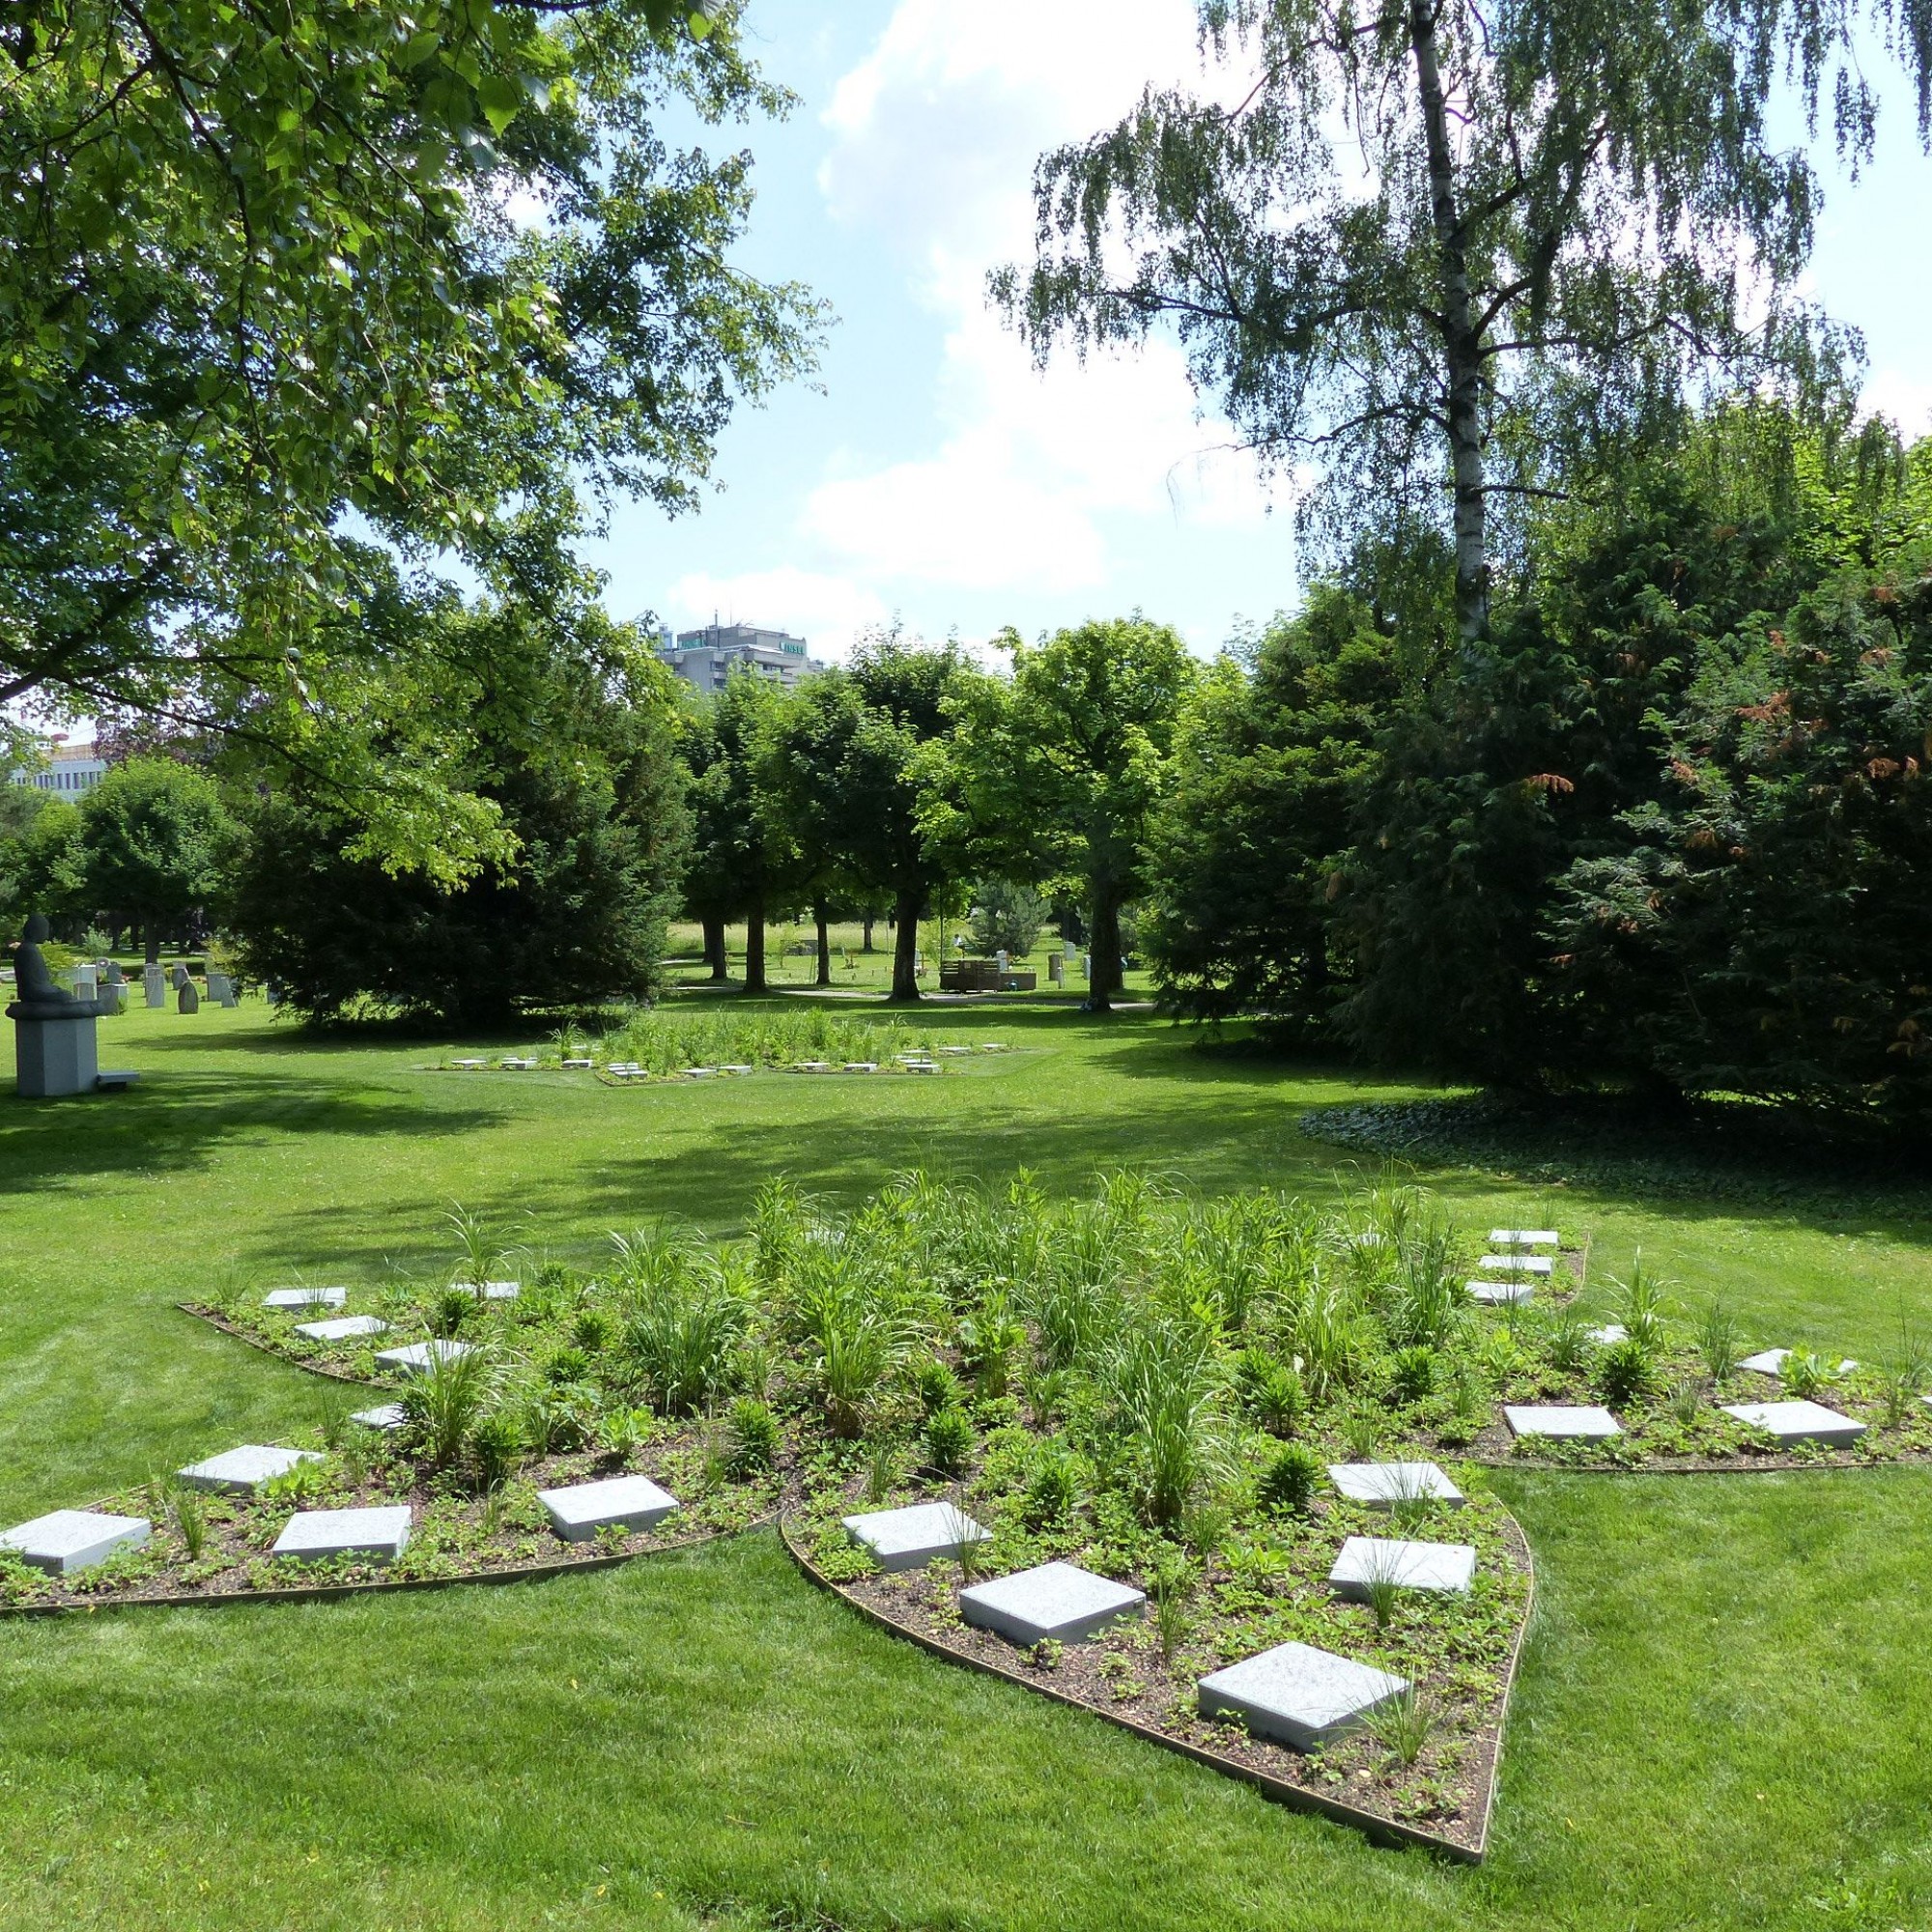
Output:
x=932 y=474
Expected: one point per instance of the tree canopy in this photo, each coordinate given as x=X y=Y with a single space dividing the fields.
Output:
x=152 y=833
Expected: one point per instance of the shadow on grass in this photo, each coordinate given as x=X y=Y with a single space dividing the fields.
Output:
x=181 y=1124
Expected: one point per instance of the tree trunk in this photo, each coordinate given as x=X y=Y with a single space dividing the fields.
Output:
x=714 y=947
x=821 y=918
x=1462 y=340
x=153 y=942
x=755 y=947
x=905 y=949
x=869 y=933
x=1103 y=945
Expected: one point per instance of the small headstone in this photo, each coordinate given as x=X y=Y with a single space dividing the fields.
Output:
x=374 y=1535
x=921 y=1066
x=516 y=1065
x=1303 y=1696
x=1383 y=1485
x=861 y=1066
x=493 y=1291
x=1799 y=1421
x=1610 y=1331
x=734 y=1069
x=992 y=1046
x=243 y=1471
x=621 y=1503
x=467 y=1065
x=70 y=1539
x=1501 y=1294
x=906 y=1539
x=1767 y=1363
x=1524 y=1237
x=390 y=1415
x=414 y=1358
x=1054 y=1599
x=305 y=1297
x=1056 y=970
x=942 y=1049
x=1562 y=1423
x=1444 y=1567
x=154 y=986
x=699 y=1072
x=579 y=1064
x=1518 y=1263
x=344 y=1328
x=187 y=999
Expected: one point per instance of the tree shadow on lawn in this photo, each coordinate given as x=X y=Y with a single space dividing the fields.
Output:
x=180 y=1125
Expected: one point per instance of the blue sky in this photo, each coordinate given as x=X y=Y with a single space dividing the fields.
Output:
x=933 y=475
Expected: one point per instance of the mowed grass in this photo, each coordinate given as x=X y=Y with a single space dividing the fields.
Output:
x=1718 y=1724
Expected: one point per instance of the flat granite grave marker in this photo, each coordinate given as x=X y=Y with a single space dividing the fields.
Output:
x=493 y=1291
x=1501 y=1294
x=1562 y=1422
x=390 y=1415
x=1518 y=1263
x=343 y=1328
x=377 y=1535
x=70 y=1539
x=1384 y=1485
x=414 y=1358
x=307 y=1297
x=1767 y=1362
x=1303 y=1696
x=1610 y=1331
x=1799 y=1421
x=904 y=1539
x=1053 y=1600
x=244 y=1470
x=1524 y=1237
x=1445 y=1567
x=619 y=1502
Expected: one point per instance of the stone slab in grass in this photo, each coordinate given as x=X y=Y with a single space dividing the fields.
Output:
x=736 y=1066
x=1768 y=1362
x=813 y=1066
x=1797 y=1421
x=619 y=1502
x=305 y=1297
x=414 y=1358
x=1448 y=1568
x=1053 y=1600
x=861 y=1066
x=1500 y=1293
x=378 y=1535
x=493 y=1291
x=1518 y=1263
x=243 y=1471
x=389 y=1415
x=1524 y=1237
x=904 y=1539
x=467 y=1065
x=344 y=1328
x=1610 y=1331
x=1562 y=1422
x=1384 y=1485
x=1303 y=1696
x=68 y=1540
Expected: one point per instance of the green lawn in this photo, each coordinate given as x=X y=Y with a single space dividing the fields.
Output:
x=1719 y=1722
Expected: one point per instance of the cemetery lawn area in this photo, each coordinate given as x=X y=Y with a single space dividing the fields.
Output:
x=1719 y=1722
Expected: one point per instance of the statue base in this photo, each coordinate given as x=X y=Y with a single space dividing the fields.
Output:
x=53 y=1056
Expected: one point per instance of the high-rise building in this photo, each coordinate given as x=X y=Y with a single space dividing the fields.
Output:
x=707 y=658
x=69 y=769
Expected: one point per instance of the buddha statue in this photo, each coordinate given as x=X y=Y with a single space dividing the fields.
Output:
x=39 y=995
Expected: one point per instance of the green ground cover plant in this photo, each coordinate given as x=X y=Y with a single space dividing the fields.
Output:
x=1717 y=1721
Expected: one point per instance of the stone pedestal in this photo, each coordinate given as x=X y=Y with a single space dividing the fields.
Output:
x=55 y=1055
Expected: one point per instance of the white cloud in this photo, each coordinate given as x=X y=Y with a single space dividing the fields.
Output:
x=935 y=136
x=1907 y=399
x=828 y=611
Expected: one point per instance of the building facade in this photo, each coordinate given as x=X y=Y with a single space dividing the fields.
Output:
x=707 y=658
x=69 y=769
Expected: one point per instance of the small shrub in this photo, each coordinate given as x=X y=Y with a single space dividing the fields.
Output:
x=936 y=1386
x=1270 y=1390
x=567 y=1364
x=751 y=1437
x=1567 y=1338
x=451 y=1309
x=592 y=1330
x=1287 y=1484
x=1051 y=1491
x=1625 y=1371
x=1803 y=1375
x=948 y=1440
x=1412 y=1373
x=496 y=1442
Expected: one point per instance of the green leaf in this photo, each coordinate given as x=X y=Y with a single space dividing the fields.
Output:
x=501 y=99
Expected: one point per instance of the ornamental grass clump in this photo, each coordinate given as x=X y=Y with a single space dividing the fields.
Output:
x=752 y=1438
x=1403 y=1725
x=1627 y=1372
x=1163 y=1385
x=948 y=1441
x=1718 y=1339
x=1270 y=1390
x=443 y=1405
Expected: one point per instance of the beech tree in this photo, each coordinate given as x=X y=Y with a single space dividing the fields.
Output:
x=1432 y=250
x=152 y=839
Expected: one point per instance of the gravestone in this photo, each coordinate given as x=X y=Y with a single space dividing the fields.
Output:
x=578 y=1065
x=389 y=1415
x=70 y=1539
x=1799 y=1421
x=1501 y=1294
x=1766 y=1363
x=861 y=1066
x=344 y=1328
x=1562 y=1422
x=155 y=984
x=1059 y=1601
x=1610 y=1331
x=187 y=999
x=1518 y=1263
x=1056 y=968
x=374 y=1535
x=1524 y=1237
x=244 y=1470
x=493 y=1291
x=305 y=1297
x=1384 y=1485
x=1300 y=1695
x=414 y=1358
x=579 y=1511
x=906 y=1539
x=1446 y=1568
